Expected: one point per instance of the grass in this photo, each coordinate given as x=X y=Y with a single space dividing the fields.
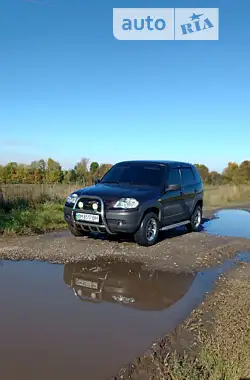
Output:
x=38 y=208
x=224 y=351
x=35 y=191
x=212 y=344
x=226 y=195
x=21 y=217
x=214 y=196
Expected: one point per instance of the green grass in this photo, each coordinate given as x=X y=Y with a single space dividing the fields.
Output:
x=43 y=211
x=22 y=218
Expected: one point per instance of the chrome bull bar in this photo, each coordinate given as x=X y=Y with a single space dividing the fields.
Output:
x=90 y=226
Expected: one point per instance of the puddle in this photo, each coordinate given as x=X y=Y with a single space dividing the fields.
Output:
x=88 y=320
x=234 y=223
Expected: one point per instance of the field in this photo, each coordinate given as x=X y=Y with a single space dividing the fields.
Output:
x=214 y=196
x=33 y=192
x=38 y=208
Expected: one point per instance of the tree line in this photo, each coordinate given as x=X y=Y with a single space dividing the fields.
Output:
x=84 y=172
x=50 y=171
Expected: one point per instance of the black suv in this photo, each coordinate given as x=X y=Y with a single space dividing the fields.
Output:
x=138 y=198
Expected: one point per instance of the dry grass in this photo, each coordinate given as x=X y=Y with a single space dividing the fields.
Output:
x=218 y=345
x=214 y=196
x=226 y=195
x=224 y=352
x=33 y=191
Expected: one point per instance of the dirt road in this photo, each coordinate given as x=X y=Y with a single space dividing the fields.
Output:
x=176 y=250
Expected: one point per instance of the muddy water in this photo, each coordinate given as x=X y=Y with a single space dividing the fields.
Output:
x=81 y=321
x=85 y=321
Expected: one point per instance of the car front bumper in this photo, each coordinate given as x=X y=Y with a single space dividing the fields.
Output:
x=113 y=221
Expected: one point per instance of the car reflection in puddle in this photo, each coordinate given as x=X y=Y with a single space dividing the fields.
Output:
x=89 y=318
x=129 y=284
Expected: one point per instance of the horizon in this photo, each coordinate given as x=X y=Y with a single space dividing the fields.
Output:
x=70 y=89
x=110 y=163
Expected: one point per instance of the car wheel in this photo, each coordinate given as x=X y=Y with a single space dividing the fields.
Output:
x=77 y=232
x=147 y=233
x=195 y=220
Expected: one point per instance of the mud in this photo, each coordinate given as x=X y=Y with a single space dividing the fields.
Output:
x=57 y=320
x=176 y=250
x=110 y=300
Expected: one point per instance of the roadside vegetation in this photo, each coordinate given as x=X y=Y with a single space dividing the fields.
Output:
x=38 y=208
x=24 y=217
x=51 y=172
x=224 y=347
x=226 y=195
x=212 y=344
x=32 y=196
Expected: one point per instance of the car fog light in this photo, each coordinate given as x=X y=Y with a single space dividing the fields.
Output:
x=80 y=204
x=95 y=206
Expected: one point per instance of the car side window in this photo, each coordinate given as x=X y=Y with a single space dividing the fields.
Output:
x=187 y=177
x=174 y=177
x=196 y=174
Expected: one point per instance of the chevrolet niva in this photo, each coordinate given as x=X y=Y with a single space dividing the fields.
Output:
x=139 y=198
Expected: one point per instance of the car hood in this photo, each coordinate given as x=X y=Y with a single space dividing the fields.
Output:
x=116 y=191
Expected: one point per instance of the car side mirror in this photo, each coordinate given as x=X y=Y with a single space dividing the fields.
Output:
x=97 y=180
x=175 y=187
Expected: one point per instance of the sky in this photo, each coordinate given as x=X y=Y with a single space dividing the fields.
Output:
x=69 y=89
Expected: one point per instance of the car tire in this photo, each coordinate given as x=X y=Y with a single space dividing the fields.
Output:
x=147 y=234
x=77 y=232
x=196 y=220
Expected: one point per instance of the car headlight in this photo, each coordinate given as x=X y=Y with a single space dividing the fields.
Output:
x=126 y=203
x=72 y=198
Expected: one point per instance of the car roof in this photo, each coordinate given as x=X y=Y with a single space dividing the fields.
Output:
x=159 y=162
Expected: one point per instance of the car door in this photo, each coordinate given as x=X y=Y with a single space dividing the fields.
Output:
x=188 y=188
x=173 y=203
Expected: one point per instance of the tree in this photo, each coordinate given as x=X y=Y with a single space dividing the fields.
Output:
x=53 y=172
x=70 y=176
x=103 y=168
x=94 y=166
x=50 y=171
x=81 y=170
x=230 y=172
x=2 y=174
x=10 y=172
x=204 y=172
x=214 y=178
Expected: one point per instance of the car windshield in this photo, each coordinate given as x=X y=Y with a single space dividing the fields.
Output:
x=144 y=175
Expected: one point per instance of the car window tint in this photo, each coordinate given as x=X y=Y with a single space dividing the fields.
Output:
x=196 y=174
x=187 y=176
x=174 y=177
x=145 y=175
